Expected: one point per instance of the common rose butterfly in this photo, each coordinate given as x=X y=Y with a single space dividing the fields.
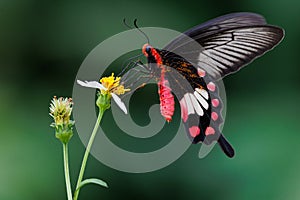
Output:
x=227 y=43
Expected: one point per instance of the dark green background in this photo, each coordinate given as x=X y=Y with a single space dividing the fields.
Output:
x=42 y=44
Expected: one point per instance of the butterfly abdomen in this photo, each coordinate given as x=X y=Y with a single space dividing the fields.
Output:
x=166 y=99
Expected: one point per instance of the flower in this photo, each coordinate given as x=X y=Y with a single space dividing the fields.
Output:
x=113 y=85
x=109 y=87
x=60 y=111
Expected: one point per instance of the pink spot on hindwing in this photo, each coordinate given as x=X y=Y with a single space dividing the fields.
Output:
x=214 y=116
x=215 y=102
x=194 y=131
x=209 y=131
x=211 y=86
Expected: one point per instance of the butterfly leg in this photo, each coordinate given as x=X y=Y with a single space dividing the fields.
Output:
x=139 y=79
x=128 y=65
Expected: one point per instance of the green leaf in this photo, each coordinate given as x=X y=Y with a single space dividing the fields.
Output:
x=92 y=180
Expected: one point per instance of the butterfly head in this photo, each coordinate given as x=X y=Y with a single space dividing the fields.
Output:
x=147 y=50
x=152 y=54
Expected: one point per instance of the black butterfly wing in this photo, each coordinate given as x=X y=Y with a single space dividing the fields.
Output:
x=217 y=48
x=199 y=101
x=223 y=45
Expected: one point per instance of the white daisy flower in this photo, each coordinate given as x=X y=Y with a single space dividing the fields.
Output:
x=108 y=86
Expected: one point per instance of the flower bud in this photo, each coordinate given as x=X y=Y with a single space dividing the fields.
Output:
x=60 y=111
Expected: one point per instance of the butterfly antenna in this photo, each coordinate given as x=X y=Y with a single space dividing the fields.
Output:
x=136 y=26
x=124 y=22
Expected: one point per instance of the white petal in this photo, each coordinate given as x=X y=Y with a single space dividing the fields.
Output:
x=91 y=84
x=119 y=102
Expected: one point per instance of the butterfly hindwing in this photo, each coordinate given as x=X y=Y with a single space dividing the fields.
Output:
x=199 y=101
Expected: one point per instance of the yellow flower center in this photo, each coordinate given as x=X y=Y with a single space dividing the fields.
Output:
x=112 y=84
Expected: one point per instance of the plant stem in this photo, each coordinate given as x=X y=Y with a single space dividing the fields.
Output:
x=67 y=173
x=87 y=152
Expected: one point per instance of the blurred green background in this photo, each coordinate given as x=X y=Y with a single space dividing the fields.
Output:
x=43 y=43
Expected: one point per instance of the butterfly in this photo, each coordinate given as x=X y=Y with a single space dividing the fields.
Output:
x=190 y=65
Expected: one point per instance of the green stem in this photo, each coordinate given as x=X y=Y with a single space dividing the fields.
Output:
x=67 y=173
x=87 y=152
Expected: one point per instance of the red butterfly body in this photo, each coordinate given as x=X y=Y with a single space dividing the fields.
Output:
x=167 y=102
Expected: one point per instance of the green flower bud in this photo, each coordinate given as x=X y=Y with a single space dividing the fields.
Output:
x=103 y=101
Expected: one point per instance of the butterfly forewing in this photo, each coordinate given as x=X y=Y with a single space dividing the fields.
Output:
x=228 y=51
x=225 y=46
